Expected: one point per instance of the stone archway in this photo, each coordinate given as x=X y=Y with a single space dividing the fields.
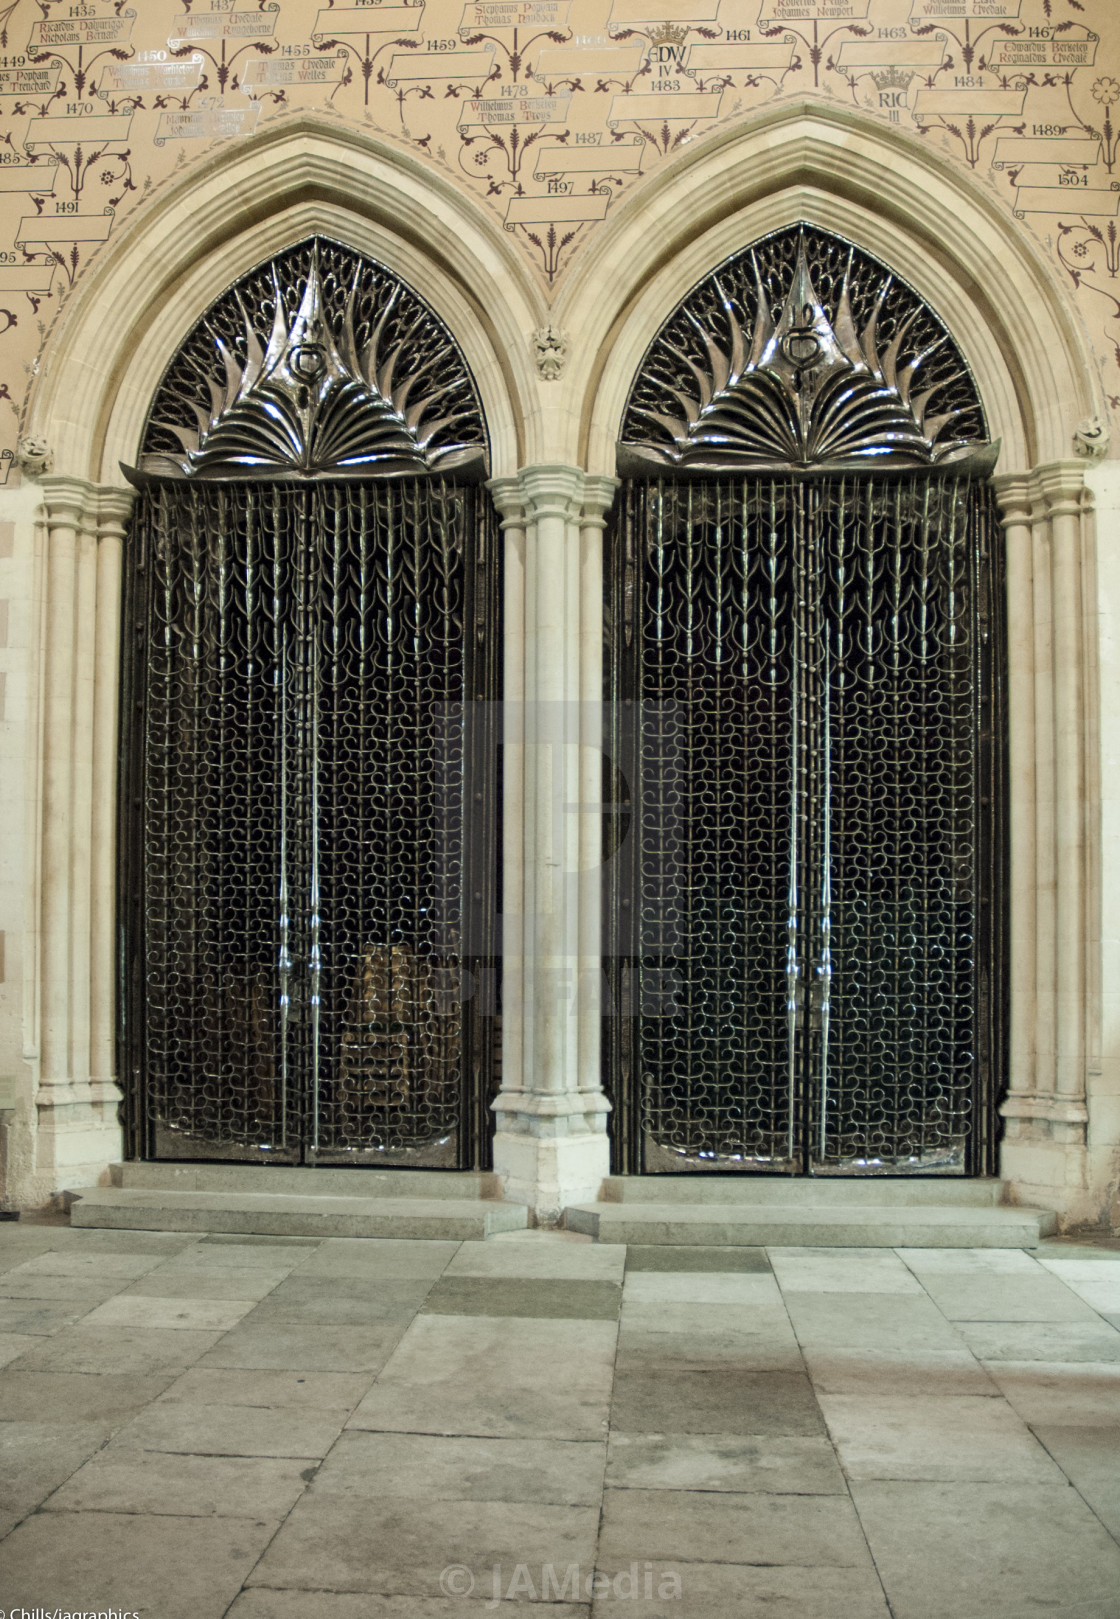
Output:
x=804 y=903
x=309 y=775
x=99 y=370
x=553 y=438
x=1032 y=364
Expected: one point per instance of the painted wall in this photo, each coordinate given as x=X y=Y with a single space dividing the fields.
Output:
x=546 y=110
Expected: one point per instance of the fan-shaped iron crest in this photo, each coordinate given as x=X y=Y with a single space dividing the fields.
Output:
x=318 y=364
x=802 y=351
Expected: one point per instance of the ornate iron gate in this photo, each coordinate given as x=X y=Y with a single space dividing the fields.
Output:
x=316 y=801
x=803 y=889
x=310 y=797
x=811 y=976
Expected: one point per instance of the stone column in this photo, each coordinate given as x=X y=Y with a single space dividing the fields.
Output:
x=1052 y=738
x=114 y=508
x=1015 y=499
x=598 y=493
x=70 y=1038
x=550 y=1145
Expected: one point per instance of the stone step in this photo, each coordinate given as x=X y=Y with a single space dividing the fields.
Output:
x=876 y=1191
x=278 y=1214
x=720 y=1225
x=302 y=1182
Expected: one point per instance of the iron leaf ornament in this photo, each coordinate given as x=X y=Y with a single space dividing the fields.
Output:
x=320 y=364
x=757 y=369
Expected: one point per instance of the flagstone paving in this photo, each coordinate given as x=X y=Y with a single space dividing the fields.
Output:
x=195 y=1426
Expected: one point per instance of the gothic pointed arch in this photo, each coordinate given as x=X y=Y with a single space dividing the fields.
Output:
x=234 y=208
x=805 y=693
x=308 y=803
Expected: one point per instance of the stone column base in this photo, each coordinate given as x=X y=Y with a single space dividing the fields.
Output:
x=551 y=1150
x=66 y=1139
x=1044 y=1161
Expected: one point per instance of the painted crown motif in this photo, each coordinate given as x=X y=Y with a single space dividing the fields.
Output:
x=668 y=33
x=892 y=78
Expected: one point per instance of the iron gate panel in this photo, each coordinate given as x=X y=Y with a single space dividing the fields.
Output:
x=310 y=814
x=802 y=896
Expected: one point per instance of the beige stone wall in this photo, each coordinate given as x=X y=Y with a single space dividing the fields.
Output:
x=1104 y=1076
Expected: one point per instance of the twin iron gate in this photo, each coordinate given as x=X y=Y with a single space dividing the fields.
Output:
x=802 y=871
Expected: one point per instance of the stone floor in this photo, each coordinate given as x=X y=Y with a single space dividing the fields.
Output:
x=293 y=1429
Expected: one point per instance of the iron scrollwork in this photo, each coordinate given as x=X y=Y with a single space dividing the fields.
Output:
x=802 y=897
x=802 y=351
x=310 y=683
x=309 y=789
x=320 y=364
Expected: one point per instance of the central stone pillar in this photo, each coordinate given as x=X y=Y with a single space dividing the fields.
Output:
x=550 y=1145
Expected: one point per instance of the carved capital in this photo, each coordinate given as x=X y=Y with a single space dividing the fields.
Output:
x=598 y=497
x=67 y=502
x=552 y=491
x=101 y=509
x=1061 y=485
x=114 y=508
x=1016 y=498
x=509 y=498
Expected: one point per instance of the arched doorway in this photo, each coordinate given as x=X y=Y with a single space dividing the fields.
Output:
x=309 y=796
x=803 y=900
